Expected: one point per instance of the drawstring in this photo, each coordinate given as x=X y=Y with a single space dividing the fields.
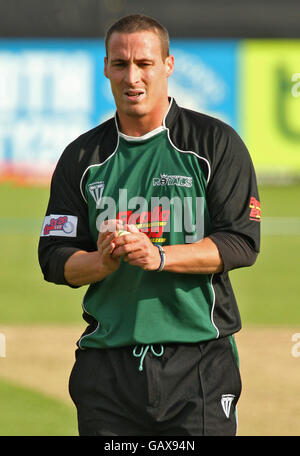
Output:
x=143 y=351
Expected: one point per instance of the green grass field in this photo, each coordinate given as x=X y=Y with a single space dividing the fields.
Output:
x=34 y=300
x=25 y=412
x=267 y=293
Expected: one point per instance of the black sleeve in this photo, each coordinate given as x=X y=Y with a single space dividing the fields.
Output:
x=66 y=205
x=233 y=201
x=235 y=250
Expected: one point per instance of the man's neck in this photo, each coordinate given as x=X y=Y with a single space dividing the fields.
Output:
x=140 y=125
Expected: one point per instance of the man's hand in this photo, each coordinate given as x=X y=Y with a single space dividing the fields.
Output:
x=106 y=244
x=136 y=248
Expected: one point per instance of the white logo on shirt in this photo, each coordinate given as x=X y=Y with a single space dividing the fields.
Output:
x=96 y=190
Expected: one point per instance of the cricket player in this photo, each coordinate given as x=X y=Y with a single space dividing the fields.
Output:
x=152 y=209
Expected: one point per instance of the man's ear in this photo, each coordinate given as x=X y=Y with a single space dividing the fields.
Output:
x=105 y=67
x=169 y=65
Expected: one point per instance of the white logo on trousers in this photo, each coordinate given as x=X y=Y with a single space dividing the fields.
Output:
x=226 y=401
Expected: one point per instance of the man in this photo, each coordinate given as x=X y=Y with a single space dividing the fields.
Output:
x=152 y=208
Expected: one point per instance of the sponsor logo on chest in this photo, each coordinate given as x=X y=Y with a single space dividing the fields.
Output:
x=171 y=180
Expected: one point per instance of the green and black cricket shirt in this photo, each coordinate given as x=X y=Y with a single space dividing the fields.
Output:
x=193 y=177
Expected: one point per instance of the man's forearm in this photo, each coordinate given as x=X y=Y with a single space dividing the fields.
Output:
x=83 y=268
x=198 y=258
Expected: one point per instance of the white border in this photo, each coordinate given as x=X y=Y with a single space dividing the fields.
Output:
x=185 y=151
x=213 y=307
x=89 y=334
x=208 y=178
x=143 y=137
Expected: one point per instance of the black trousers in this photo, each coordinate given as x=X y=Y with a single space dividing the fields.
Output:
x=192 y=389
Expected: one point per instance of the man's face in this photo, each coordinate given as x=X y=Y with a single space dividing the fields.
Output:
x=137 y=72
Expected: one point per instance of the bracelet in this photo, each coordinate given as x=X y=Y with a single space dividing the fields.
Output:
x=162 y=257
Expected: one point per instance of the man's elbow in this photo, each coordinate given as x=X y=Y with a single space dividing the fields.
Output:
x=251 y=259
x=52 y=264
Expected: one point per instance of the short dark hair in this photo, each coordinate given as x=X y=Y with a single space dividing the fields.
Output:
x=138 y=23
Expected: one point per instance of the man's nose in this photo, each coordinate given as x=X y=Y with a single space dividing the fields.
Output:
x=132 y=74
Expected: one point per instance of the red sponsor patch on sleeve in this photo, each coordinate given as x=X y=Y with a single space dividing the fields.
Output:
x=255 y=209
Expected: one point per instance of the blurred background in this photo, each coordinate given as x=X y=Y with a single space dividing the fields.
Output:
x=238 y=61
